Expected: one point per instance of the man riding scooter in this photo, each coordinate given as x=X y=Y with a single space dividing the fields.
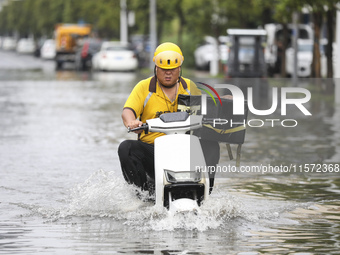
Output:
x=148 y=100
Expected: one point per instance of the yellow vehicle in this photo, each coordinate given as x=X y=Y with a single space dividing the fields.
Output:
x=68 y=38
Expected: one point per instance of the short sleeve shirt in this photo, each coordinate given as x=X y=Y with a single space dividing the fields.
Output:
x=147 y=101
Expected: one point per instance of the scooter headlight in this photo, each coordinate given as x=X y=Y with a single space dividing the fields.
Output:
x=186 y=176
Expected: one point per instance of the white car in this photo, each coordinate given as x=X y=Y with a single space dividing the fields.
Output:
x=9 y=43
x=204 y=53
x=48 y=50
x=115 y=56
x=305 y=58
x=274 y=39
x=26 y=46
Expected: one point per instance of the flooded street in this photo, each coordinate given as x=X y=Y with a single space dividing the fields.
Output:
x=62 y=191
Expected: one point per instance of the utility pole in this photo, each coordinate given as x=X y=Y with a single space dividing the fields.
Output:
x=153 y=30
x=214 y=60
x=123 y=22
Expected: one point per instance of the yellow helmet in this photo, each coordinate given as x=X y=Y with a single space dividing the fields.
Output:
x=168 y=56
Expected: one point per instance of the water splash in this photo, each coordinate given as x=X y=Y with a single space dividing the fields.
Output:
x=103 y=194
x=213 y=214
x=106 y=195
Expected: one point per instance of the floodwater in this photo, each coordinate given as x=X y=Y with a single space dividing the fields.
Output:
x=62 y=191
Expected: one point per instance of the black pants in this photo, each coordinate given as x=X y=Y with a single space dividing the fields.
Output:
x=137 y=162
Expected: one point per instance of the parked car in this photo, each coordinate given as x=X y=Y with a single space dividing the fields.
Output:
x=204 y=53
x=48 y=50
x=115 y=56
x=9 y=43
x=26 y=46
x=305 y=58
x=274 y=42
x=86 y=51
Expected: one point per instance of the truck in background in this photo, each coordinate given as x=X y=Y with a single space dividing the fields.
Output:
x=246 y=53
x=68 y=37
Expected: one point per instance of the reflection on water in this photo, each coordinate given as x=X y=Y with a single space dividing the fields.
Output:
x=63 y=193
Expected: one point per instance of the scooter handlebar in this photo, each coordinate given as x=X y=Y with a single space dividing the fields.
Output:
x=207 y=120
x=171 y=125
x=144 y=127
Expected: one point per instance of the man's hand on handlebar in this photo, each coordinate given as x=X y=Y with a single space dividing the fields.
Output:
x=135 y=124
x=137 y=130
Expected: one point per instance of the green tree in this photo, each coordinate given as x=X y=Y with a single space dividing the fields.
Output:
x=319 y=9
x=284 y=10
x=331 y=9
x=185 y=22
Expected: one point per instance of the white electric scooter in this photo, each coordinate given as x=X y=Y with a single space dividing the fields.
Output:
x=181 y=182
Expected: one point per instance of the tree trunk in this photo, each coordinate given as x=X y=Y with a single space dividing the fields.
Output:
x=316 y=65
x=330 y=35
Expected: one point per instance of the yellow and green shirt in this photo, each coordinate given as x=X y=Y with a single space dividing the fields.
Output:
x=147 y=101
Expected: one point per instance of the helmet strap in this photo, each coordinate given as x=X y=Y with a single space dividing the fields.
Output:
x=180 y=74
